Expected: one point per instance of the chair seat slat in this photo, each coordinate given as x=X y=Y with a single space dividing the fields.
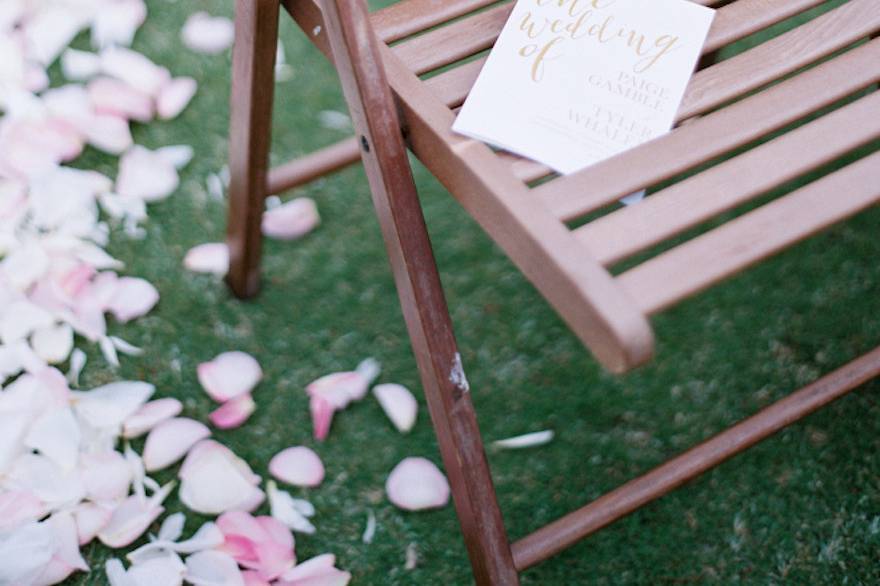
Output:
x=732 y=22
x=713 y=135
x=707 y=259
x=780 y=56
x=632 y=229
x=409 y=17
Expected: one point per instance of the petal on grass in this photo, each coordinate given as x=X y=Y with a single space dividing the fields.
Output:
x=291 y=220
x=299 y=466
x=175 y=96
x=229 y=375
x=212 y=257
x=79 y=65
x=528 y=440
x=318 y=571
x=287 y=510
x=146 y=174
x=133 y=298
x=416 y=484
x=149 y=416
x=214 y=480
x=54 y=343
x=207 y=34
x=117 y=98
x=212 y=568
x=322 y=416
x=399 y=405
x=132 y=518
x=170 y=441
x=234 y=412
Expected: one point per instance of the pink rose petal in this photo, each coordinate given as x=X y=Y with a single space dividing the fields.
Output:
x=146 y=174
x=90 y=519
x=214 y=480
x=234 y=412
x=252 y=578
x=170 y=441
x=399 y=405
x=229 y=375
x=18 y=507
x=106 y=475
x=416 y=484
x=134 y=69
x=214 y=568
x=149 y=416
x=318 y=571
x=132 y=518
x=322 y=416
x=212 y=257
x=117 y=98
x=175 y=96
x=261 y=544
x=207 y=34
x=133 y=298
x=117 y=22
x=299 y=466
x=291 y=220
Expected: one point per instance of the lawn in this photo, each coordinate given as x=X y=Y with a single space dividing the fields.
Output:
x=802 y=508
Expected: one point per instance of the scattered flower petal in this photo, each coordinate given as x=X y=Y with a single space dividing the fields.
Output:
x=149 y=416
x=234 y=412
x=416 y=484
x=214 y=480
x=399 y=405
x=175 y=96
x=212 y=257
x=229 y=375
x=207 y=34
x=528 y=440
x=170 y=441
x=299 y=466
x=291 y=220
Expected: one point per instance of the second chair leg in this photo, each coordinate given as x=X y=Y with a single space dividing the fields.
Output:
x=253 y=78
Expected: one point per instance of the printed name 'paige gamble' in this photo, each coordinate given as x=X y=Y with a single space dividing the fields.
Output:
x=572 y=82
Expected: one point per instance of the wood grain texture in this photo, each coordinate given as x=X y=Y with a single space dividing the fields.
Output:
x=374 y=113
x=716 y=255
x=712 y=135
x=640 y=491
x=684 y=205
x=250 y=127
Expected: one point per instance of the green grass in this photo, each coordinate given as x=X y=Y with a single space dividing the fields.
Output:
x=802 y=508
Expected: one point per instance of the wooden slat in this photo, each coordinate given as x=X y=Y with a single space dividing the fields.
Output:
x=409 y=17
x=453 y=42
x=699 y=263
x=640 y=491
x=629 y=230
x=797 y=48
x=313 y=165
x=713 y=135
x=732 y=22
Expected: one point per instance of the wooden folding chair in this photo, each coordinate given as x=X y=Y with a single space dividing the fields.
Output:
x=807 y=90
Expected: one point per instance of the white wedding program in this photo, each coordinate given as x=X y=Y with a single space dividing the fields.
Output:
x=572 y=82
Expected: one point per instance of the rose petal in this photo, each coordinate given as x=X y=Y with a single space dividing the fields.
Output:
x=170 y=441
x=117 y=98
x=111 y=404
x=291 y=220
x=416 y=484
x=318 y=571
x=212 y=257
x=133 y=298
x=233 y=413
x=538 y=438
x=107 y=475
x=146 y=174
x=25 y=553
x=56 y=435
x=164 y=570
x=252 y=578
x=54 y=343
x=178 y=155
x=90 y=519
x=117 y=22
x=207 y=34
x=214 y=480
x=322 y=416
x=229 y=375
x=134 y=69
x=149 y=416
x=299 y=466
x=399 y=405
x=18 y=507
x=132 y=518
x=212 y=568
x=284 y=508
x=175 y=96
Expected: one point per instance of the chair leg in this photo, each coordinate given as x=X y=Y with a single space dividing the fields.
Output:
x=357 y=58
x=253 y=78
